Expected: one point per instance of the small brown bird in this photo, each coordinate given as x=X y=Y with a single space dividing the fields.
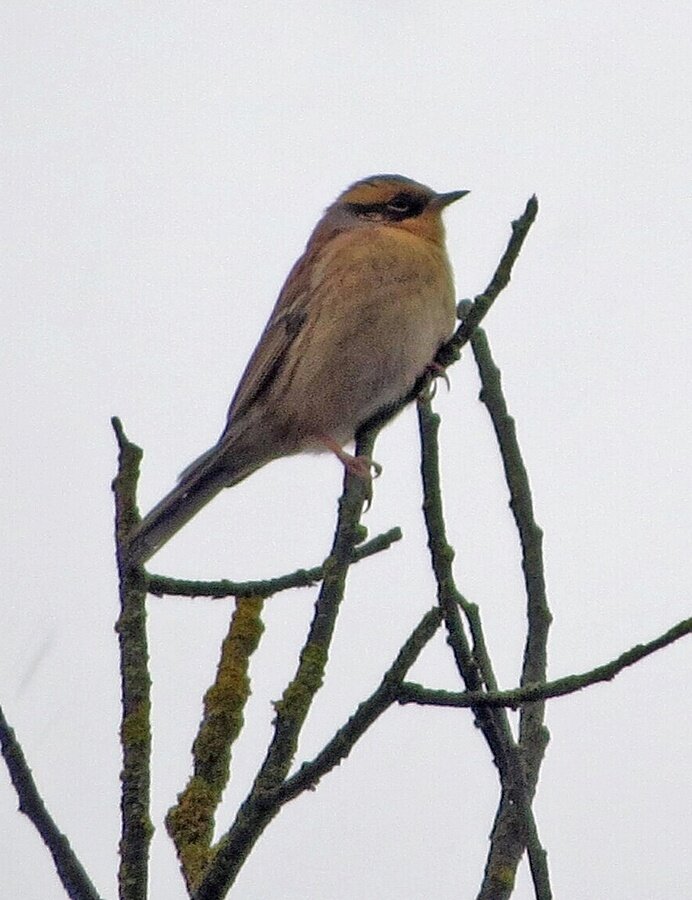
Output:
x=360 y=318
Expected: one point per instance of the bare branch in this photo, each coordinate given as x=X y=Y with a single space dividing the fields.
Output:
x=505 y=852
x=560 y=687
x=70 y=871
x=472 y=314
x=135 y=729
x=161 y=584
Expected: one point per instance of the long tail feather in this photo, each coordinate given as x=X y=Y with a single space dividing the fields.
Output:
x=199 y=484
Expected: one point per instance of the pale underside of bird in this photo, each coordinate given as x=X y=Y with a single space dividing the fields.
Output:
x=358 y=321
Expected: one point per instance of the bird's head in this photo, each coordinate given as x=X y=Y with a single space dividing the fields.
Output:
x=395 y=201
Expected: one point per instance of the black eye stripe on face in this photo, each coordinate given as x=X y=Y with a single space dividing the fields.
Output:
x=402 y=206
x=404 y=202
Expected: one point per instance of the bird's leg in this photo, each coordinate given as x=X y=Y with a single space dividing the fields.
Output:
x=360 y=466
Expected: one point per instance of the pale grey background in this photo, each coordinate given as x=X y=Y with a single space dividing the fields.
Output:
x=163 y=166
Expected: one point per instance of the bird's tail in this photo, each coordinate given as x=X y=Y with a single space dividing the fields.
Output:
x=198 y=484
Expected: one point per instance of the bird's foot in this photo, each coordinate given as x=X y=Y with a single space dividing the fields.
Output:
x=362 y=467
x=433 y=372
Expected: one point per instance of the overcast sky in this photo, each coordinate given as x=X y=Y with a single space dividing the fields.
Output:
x=163 y=166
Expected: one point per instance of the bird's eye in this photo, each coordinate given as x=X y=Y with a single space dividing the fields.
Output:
x=402 y=203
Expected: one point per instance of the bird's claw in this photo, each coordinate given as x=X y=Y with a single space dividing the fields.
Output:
x=365 y=469
x=434 y=371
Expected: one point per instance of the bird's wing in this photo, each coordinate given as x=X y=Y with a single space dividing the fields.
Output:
x=285 y=324
x=268 y=358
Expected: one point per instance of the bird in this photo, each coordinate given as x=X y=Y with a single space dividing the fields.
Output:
x=358 y=321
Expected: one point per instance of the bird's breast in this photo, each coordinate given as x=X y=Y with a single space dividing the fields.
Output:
x=381 y=302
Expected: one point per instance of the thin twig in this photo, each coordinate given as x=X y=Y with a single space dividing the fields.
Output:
x=560 y=687
x=448 y=595
x=530 y=535
x=135 y=730
x=505 y=853
x=476 y=312
x=161 y=585
x=70 y=871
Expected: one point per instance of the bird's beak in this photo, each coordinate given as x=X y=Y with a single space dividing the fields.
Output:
x=439 y=201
